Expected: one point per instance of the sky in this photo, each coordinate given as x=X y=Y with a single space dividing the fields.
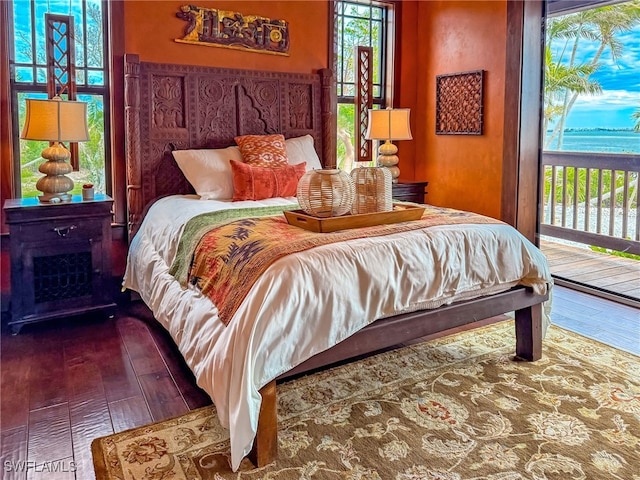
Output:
x=620 y=83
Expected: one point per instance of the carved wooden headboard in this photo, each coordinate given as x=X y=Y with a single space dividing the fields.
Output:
x=170 y=107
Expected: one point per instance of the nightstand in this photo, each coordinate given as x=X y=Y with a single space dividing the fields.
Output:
x=60 y=258
x=409 y=191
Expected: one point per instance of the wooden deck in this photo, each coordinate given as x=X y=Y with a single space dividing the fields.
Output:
x=599 y=271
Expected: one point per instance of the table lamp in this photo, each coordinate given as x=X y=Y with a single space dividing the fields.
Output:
x=389 y=124
x=55 y=120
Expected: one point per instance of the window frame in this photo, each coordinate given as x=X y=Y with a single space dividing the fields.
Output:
x=35 y=87
x=386 y=53
x=382 y=92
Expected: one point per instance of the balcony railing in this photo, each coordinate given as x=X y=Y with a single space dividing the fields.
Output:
x=592 y=198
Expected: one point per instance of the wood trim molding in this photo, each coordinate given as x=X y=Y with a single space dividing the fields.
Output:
x=116 y=70
x=511 y=141
x=6 y=134
x=564 y=7
x=531 y=102
x=522 y=106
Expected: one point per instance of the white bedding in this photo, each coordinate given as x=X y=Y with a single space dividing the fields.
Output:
x=309 y=301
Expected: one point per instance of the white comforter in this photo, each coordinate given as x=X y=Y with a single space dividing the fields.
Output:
x=309 y=301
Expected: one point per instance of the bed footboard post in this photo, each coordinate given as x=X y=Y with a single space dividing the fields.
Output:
x=265 y=445
x=529 y=332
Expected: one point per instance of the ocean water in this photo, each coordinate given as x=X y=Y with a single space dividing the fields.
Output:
x=609 y=141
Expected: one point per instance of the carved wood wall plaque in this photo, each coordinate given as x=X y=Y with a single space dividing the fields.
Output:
x=459 y=103
x=223 y=28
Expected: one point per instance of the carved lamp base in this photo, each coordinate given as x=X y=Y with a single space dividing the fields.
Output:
x=55 y=185
x=387 y=158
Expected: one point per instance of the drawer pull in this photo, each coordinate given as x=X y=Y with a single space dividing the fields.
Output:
x=64 y=231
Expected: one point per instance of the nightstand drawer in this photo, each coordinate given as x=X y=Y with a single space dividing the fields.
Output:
x=61 y=230
x=409 y=191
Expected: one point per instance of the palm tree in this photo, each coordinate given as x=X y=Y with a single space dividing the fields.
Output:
x=636 y=116
x=601 y=24
x=559 y=79
x=571 y=28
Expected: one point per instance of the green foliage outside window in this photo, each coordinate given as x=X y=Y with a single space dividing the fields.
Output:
x=593 y=183
x=91 y=152
x=90 y=75
x=357 y=24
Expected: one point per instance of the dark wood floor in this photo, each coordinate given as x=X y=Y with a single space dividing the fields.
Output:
x=65 y=383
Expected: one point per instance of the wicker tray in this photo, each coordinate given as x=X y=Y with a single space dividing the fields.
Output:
x=400 y=213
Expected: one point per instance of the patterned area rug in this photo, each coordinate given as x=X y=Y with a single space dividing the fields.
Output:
x=458 y=408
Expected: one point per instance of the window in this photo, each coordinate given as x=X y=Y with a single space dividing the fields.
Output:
x=591 y=144
x=28 y=65
x=360 y=23
x=592 y=95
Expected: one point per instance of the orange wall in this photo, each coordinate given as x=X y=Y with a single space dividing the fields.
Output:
x=150 y=29
x=435 y=37
x=407 y=75
x=463 y=171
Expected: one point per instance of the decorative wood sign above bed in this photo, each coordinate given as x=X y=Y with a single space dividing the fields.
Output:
x=223 y=28
x=459 y=103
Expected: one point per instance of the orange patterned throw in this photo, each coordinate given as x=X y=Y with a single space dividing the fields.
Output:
x=229 y=258
x=263 y=150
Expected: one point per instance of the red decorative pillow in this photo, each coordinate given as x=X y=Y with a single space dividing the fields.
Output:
x=263 y=150
x=256 y=183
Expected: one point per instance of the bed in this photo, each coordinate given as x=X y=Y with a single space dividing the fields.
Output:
x=279 y=330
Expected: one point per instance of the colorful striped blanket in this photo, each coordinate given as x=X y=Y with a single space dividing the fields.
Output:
x=224 y=253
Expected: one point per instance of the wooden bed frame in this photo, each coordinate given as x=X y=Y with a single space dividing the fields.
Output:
x=170 y=106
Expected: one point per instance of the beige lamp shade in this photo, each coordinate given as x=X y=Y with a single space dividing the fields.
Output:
x=389 y=124
x=55 y=120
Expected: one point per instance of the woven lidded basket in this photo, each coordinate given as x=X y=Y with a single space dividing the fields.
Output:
x=326 y=193
x=372 y=190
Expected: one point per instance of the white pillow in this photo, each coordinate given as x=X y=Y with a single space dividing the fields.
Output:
x=209 y=171
x=300 y=149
